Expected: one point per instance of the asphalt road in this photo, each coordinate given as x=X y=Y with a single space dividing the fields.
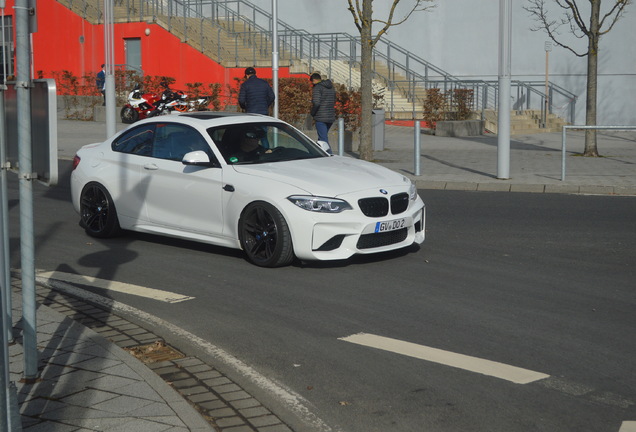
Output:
x=543 y=282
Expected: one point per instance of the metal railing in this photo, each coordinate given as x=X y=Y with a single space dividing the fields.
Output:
x=574 y=127
x=238 y=33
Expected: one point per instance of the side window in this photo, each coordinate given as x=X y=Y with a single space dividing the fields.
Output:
x=173 y=141
x=188 y=140
x=136 y=141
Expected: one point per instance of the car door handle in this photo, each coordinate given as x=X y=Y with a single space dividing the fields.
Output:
x=151 y=167
x=228 y=188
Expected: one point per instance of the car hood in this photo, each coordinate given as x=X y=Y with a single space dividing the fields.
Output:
x=329 y=176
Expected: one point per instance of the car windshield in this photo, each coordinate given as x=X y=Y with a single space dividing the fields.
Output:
x=254 y=143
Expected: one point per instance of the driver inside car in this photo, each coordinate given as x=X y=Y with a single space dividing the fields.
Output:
x=249 y=148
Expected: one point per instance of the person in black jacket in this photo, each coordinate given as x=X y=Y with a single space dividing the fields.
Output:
x=100 y=83
x=255 y=95
x=323 y=102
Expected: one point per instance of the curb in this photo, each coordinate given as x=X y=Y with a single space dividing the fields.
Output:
x=527 y=188
x=203 y=397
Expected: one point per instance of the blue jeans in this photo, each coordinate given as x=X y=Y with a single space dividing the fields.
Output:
x=323 y=131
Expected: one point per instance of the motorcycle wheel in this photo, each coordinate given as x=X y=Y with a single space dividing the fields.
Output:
x=181 y=108
x=129 y=115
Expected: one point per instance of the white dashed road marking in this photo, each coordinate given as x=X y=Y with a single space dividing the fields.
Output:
x=473 y=364
x=137 y=290
x=628 y=426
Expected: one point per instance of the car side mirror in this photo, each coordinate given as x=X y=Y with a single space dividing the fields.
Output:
x=197 y=158
x=325 y=146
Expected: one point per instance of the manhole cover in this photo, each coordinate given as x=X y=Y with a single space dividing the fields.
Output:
x=155 y=352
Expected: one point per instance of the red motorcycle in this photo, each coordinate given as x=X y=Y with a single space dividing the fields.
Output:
x=144 y=105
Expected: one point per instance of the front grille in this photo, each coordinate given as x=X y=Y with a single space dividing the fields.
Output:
x=399 y=203
x=370 y=241
x=374 y=207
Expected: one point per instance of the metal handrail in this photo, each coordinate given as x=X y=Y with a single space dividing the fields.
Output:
x=248 y=26
x=574 y=127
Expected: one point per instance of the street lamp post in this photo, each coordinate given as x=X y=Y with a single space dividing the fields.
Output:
x=548 y=48
x=503 y=117
x=109 y=52
x=275 y=54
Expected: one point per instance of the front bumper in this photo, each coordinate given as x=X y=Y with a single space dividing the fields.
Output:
x=330 y=238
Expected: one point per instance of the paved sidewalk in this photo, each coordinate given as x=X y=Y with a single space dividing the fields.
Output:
x=88 y=382
x=470 y=163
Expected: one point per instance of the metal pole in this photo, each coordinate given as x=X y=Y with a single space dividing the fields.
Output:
x=4 y=291
x=548 y=48
x=564 y=130
x=275 y=54
x=503 y=120
x=6 y=279
x=26 y=176
x=111 y=126
x=418 y=146
x=5 y=288
x=9 y=411
x=341 y=136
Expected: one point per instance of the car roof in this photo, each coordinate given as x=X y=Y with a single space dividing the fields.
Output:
x=208 y=119
x=207 y=115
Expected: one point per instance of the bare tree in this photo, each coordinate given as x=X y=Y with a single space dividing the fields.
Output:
x=362 y=11
x=572 y=16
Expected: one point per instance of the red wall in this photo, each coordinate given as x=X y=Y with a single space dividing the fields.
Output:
x=57 y=46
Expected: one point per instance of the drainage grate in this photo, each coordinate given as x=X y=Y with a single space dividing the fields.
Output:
x=155 y=352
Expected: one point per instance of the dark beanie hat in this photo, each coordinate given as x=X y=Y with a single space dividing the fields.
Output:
x=250 y=71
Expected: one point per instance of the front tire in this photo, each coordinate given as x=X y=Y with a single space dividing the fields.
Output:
x=98 y=216
x=264 y=236
x=129 y=115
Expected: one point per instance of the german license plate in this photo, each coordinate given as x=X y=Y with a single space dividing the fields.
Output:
x=390 y=225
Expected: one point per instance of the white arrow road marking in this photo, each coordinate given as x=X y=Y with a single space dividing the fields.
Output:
x=628 y=426
x=137 y=290
x=473 y=364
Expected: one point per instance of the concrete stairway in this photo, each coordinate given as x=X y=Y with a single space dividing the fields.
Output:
x=524 y=122
x=235 y=44
x=342 y=72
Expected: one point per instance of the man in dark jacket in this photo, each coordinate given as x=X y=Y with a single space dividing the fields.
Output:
x=100 y=83
x=323 y=102
x=255 y=95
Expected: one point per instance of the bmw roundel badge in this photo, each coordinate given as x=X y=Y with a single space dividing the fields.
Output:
x=383 y=192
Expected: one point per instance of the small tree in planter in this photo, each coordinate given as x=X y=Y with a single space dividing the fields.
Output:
x=348 y=106
x=215 y=96
x=434 y=106
x=293 y=101
x=80 y=95
x=461 y=104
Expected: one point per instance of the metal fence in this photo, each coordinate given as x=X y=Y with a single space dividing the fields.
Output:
x=237 y=33
x=573 y=127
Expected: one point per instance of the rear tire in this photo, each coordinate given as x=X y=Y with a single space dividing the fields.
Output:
x=129 y=115
x=98 y=216
x=264 y=236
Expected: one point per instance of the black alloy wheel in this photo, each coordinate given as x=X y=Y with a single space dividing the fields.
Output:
x=129 y=115
x=265 y=236
x=97 y=212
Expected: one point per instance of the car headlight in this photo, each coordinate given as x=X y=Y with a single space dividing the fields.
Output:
x=320 y=204
x=412 y=192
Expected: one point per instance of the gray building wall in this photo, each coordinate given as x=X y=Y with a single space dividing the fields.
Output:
x=461 y=37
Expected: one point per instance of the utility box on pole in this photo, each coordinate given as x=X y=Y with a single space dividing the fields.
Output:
x=43 y=129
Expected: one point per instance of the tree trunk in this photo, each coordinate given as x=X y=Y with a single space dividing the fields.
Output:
x=592 y=80
x=366 y=78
